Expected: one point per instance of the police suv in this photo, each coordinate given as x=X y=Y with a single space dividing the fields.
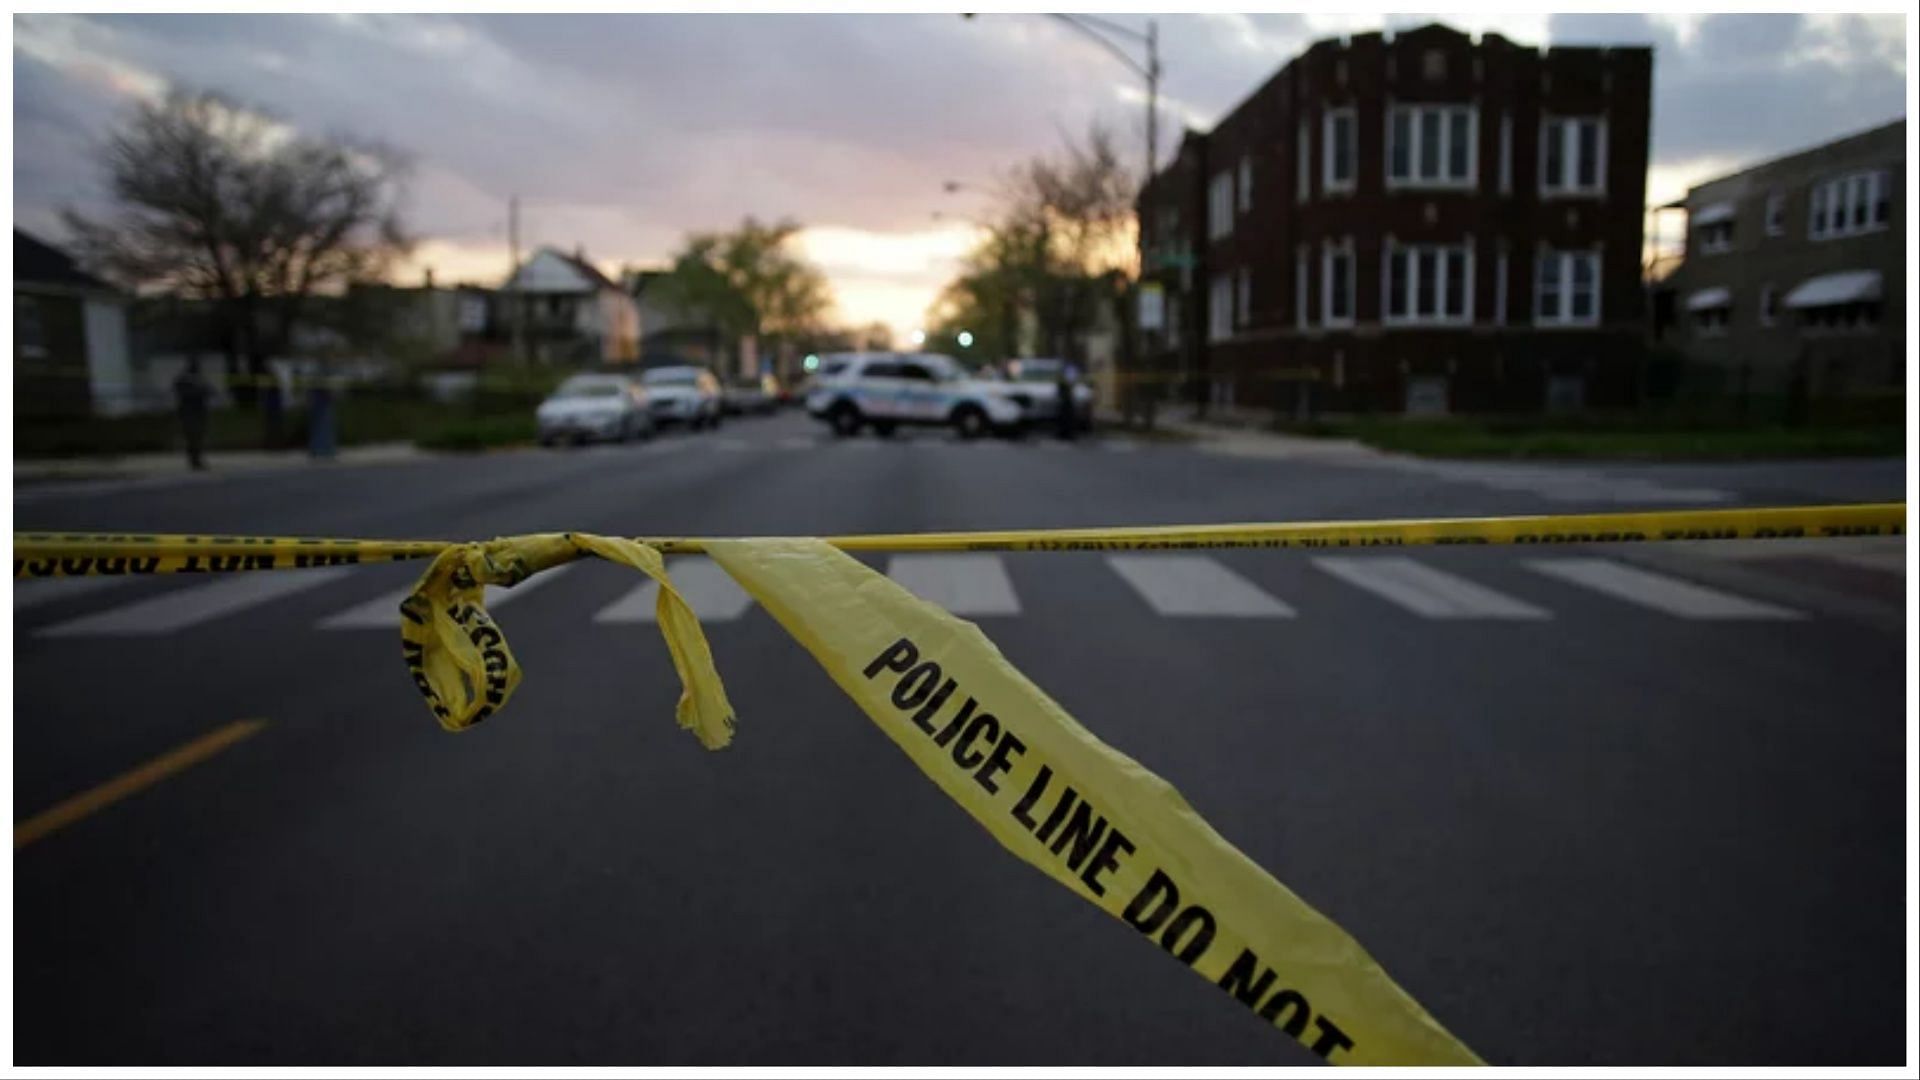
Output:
x=885 y=390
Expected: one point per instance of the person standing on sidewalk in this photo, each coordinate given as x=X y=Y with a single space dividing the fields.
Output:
x=190 y=392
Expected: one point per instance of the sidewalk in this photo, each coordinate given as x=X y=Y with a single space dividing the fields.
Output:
x=161 y=466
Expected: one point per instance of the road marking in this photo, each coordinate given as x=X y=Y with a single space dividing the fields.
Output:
x=31 y=592
x=92 y=801
x=713 y=596
x=1195 y=586
x=1657 y=591
x=1425 y=591
x=383 y=612
x=181 y=609
x=962 y=584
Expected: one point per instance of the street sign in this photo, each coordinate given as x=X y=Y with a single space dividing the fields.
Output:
x=1153 y=307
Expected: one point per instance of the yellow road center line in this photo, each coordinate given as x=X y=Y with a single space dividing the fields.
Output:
x=96 y=799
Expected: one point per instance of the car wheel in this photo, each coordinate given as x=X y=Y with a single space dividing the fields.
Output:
x=883 y=428
x=845 y=420
x=969 y=422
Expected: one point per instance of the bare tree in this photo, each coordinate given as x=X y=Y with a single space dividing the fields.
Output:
x=218 y=202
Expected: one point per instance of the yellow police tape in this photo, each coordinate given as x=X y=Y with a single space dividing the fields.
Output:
x=1047 y=789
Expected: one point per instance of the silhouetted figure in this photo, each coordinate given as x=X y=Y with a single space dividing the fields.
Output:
x=1063 y=389
x=190 y=392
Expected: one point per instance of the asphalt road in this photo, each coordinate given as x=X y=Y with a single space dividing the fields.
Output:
x=1634 y=807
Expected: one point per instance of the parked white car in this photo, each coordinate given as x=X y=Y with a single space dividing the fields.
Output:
x=586 y=408
x=885 y=390
x=683 y=394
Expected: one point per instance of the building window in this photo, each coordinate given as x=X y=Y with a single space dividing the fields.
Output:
x=1776 y=214
x=1337 y=155
x=1849 y=205
x=1243 y=297
x=1506 y=153
x=1431 y=146
x=1245 y=187
x=1567 y=289
x=1573 y=155
x=1840 y=318
x=1303 y=176
x=1428 y=284
x=29 y=333
x=1300 y=287
x=1220 y=308
x=1220 y=206
x=1336 y=283
x=1716 y=236
x=1711 y=321
x=1769 y=305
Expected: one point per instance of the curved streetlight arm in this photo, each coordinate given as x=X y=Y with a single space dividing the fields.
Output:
x=1081 y=24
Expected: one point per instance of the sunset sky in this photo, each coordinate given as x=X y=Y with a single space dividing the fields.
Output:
x=622 y=133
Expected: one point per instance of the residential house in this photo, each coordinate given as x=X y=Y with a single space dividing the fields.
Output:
x=1422 y=222
x=568 y=312
x=1795 y=272
x=70 y=354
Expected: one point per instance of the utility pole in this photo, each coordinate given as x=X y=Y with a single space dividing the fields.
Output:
x=517 y=312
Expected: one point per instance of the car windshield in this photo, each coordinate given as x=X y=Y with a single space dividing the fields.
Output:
x=599 y=388
x=671 y=377
x=1036 y=373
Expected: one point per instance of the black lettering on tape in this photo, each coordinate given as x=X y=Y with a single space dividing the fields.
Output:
x=1107 y=858
x=1083 y=831
x=1060 y=809
x=1204 y=927
x=953 y=726
x=1034 y=791
x=1291 y=1004
x=1158 y=888
x=915 y=685
x=963 y=753
x=898 y=656
x=999 y=761
x=923 y=716
x=1331 y=1038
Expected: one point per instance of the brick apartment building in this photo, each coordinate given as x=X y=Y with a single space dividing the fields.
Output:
x=1795 y=271
x=1421 y=223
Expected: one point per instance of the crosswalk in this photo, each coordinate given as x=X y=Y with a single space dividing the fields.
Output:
x=979 y=585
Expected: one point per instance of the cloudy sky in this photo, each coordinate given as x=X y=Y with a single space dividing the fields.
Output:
x=621 y=133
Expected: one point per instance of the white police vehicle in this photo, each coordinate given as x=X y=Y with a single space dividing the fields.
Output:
x=885 y=390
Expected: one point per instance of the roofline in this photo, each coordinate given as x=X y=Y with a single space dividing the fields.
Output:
x=1790 y=155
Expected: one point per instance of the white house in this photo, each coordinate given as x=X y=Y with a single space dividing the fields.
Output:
x=570 y=311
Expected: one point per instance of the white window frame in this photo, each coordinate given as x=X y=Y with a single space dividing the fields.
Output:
x=1570 y=186
x=1243 y=187
x=1220 y=205
x=1328 y=249
x=1300 y=286
x=1776 y=219
x=1303 y=179
x=1393 y=250
x=1506 y=152
x=1220 y=307
x=1443 y=182
x=1839 y=190
x=1564 y=317
x=1500 y=288
x=1329 y=183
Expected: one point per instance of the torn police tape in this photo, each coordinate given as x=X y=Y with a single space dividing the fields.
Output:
x=1048 y=790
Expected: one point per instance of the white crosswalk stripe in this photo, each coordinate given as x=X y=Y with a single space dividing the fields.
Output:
x=383 y=612
x=1429 y=593
x=1657 y=591
x=185 y=608
x=32 y=592
x=707 y=589
x=962 y=584
x=1195 y=586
